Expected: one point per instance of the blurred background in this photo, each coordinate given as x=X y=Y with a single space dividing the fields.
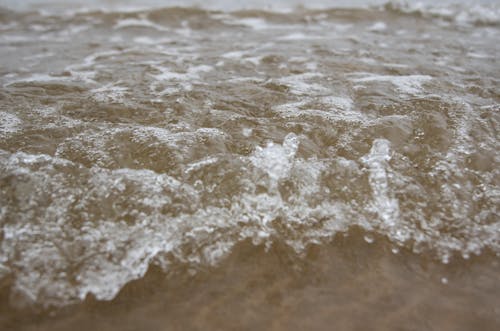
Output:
x=213 y=4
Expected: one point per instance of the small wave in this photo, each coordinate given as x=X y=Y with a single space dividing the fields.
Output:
x=166 y=136
x=411 y=84
x=460 y=13
x=101 y=228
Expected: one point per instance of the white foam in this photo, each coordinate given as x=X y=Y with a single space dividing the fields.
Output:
x=299 y=36
x=463 y=14
x=386 y=206
x=333 y=108
x=378 y=27
x=481 y=56
x=342 y=103
x=9 y=39
x=410 y=84
x=133 y=22
x=167 y=75
x=254 y=23
x=200 y=164
x=300 y=84
x=195 y=71
x=105 y=252
x=9 y=124
x=151 y=41
x=247 y=132
x=183 y=80
x=396 y=65
x=191 y=73
x=112 y=92
x=40 y=78
x=85 y=70
x=234 y=55
x=276 y=159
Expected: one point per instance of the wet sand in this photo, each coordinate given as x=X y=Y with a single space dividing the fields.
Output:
x=348 y=285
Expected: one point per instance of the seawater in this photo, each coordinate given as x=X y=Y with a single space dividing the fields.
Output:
x=324 y=159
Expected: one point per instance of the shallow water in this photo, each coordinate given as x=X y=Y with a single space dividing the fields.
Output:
x=276 y=168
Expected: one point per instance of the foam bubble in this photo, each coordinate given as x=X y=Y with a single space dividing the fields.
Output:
x=9 y=124
x=378 y=27
x=410 y=84
x=275 y=159
x=133 y=22
x=110 y=93
x=301 y=84
x=386 y=206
